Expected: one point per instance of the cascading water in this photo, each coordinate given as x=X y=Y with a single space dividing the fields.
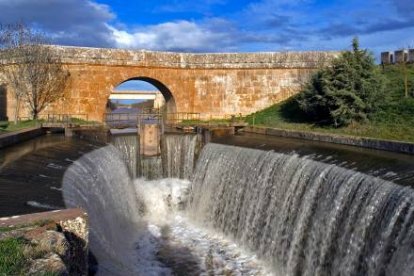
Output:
x=178 y=151
x=302 y=216
x=177 y=156
x=128 y=145
x=99 y=183
x=139 y=228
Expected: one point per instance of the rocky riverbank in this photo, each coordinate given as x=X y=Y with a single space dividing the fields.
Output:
x=54 y=243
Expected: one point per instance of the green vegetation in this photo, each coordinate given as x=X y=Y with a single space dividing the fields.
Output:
x=204 y=122
x=12 y=259
x=17 y=253
x=391 y=117
x=9 y=126
x=390 y=126
x=349 y=90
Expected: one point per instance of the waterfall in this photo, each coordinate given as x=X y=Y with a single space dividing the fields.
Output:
x=151 y=167
x=128 y=145
x=304 y=217
x=99 y=183
x=178 y=155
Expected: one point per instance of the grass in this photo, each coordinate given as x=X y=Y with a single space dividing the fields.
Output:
x=204 y=122
x=7 y=126
x=392 y=128
x=10 y=126
x=12 y=259
x=395 y=120
x=7 y=229
x=16 y=252
x=16 y=255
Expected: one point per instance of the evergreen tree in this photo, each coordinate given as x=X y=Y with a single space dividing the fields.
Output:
x=349 y=90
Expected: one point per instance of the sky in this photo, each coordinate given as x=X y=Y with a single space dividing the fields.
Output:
x=219 y=25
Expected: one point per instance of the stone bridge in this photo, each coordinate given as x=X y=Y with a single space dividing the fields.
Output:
x=214 y=85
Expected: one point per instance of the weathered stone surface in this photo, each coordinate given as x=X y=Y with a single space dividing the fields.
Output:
x=52 y=241
x=76 y=232
x=50 y=263
x=215 y=85
x=54 y=238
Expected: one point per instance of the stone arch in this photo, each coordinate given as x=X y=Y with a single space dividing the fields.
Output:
x=170 y=104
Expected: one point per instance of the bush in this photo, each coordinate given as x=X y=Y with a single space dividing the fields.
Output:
x=351 y=89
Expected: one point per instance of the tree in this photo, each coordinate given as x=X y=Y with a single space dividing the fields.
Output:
x=35 y=73
x=348 y=90
x=402 y=65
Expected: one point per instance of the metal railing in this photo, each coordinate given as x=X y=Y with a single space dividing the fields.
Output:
x=59 y=120
x=171 y=119
x=121 y=120
x=66 y=118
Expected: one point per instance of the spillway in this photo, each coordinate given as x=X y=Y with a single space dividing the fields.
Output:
x=241 y=212
x=302 y=216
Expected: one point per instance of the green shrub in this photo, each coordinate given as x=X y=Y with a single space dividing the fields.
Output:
x=349 y=90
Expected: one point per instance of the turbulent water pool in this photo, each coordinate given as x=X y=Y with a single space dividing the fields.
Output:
x=298 y=209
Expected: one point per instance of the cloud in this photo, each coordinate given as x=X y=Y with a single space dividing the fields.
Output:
x=181 y=35
x=217 y=25
x=69 y=22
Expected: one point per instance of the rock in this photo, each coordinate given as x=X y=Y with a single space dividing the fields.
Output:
x=51 y=263
x=51 y=241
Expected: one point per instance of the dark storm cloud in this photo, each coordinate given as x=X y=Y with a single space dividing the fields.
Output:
x=68 y=22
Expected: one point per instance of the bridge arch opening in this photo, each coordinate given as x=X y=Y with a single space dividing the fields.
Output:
x=141 y=94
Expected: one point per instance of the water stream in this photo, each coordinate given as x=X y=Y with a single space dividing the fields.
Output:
x=240 y=211
x=244 y=212
x=141 y=228
x=303 y=216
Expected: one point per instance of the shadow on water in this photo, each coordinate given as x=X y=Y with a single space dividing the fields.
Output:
x=395 y=167
x=31 y=173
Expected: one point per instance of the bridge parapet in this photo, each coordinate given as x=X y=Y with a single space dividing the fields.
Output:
x=121 y=57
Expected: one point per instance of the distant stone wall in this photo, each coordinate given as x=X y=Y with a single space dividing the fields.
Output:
x=399 y=56
x=215 y=85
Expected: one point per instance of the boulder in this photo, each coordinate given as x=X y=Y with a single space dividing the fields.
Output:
x=50 y=263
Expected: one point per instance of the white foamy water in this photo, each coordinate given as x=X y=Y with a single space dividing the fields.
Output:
x=42 y=205
x=162 y=197
x=184 y=247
